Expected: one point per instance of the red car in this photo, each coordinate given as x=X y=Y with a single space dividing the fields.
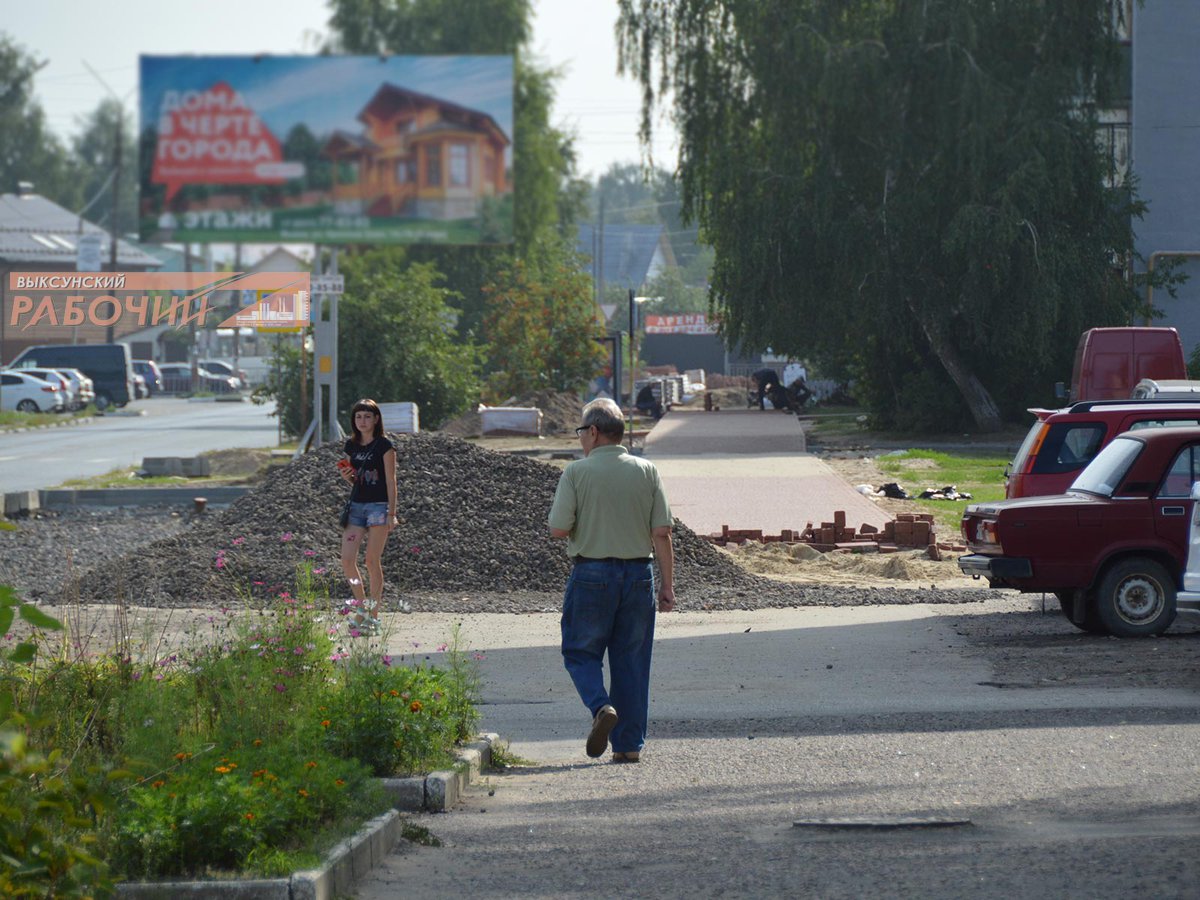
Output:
x=1063 y=441
x=1113 y=548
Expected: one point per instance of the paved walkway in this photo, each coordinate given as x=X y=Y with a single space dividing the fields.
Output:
x=749 y=469
x=762 y=718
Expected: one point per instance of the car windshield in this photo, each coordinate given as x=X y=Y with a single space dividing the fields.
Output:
x=1107 y=470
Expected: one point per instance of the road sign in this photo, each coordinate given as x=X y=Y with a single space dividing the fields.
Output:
x=87 y=257
x=327 y=284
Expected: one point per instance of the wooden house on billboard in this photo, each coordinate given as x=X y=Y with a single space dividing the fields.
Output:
x=418 y=157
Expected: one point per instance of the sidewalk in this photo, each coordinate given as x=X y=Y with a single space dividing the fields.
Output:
x=749 y=469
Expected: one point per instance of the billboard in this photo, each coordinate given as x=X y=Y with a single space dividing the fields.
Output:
x=326 y=149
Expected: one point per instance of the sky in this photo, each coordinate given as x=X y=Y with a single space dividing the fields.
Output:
x=91 y=48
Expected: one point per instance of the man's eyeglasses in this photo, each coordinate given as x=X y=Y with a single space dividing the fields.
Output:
x=581 y=429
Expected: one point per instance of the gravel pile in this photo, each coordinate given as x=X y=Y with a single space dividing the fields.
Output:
x=473 y=539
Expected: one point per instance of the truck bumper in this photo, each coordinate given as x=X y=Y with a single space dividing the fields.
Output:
x=995 y=568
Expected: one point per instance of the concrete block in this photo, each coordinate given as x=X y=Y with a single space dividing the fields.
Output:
x=441 y=791
x=195 y=466
x=17 y=502
x=406 y=793
x=162 y=465
x=469 y=759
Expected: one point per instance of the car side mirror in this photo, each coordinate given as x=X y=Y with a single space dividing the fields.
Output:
x=1060 y=390
x=1196 y=490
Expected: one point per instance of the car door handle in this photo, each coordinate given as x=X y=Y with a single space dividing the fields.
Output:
x=1173 y=510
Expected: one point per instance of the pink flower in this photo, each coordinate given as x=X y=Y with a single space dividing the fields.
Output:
x=220 y=563
x=441 y=648
x=414 y=550
x=387 y=659
x=281 y=687
x=259 y=583
x=285 y=537
x=310 y=552
x=299 y=651
x=320 y=571
x=238 y=541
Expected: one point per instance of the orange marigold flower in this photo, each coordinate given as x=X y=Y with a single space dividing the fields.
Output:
x=416 y=706
x=156 y=785
x=324 y=723
x=182 y=756
x=249 y=817
x=339 y=782
x=224 y=770
x=257 y=742
x=310 y=765
x=302 y=792
x=394 y=693
x=259 y=773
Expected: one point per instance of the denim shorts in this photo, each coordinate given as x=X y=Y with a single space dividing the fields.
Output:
x=368 y=515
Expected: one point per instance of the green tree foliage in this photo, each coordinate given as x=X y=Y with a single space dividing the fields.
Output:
x=95 y=152
x=907 y=192
x=543 y=330
x=548 y=197
x=282 y=385
x=396 y=339
x=29 y=151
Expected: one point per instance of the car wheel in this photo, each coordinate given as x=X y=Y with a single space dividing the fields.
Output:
x=1091 y=619
x=1136 y=597
x=103 y=400
x=27 y=406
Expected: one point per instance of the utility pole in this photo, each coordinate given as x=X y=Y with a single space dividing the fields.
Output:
x=116 y=182
x=116 y=200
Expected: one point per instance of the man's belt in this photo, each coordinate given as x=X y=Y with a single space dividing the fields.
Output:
x=612 y=559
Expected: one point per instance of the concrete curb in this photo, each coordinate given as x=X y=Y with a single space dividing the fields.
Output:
x=216 y=496
x=439 y=791
x=354 y=857
x=63 y=424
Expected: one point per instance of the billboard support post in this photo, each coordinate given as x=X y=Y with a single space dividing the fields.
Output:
x=325 y=368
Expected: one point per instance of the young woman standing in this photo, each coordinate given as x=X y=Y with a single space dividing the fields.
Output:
x=372 y=513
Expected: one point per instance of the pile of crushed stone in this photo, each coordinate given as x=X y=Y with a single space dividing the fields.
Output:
x=473 y=520
x=560 y=414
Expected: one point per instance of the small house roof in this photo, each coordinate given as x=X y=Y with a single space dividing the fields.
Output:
x=628 y=251
x=37 y=231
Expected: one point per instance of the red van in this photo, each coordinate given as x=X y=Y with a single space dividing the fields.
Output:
x=1109 y=362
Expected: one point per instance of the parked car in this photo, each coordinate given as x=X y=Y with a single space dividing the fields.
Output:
x=53 y=376
x=177 y=379
x=81 y=386
x=108 y=365
x=27 y=393
x=149 y=370
x=1062 y=441
x=1113 y=548
x=223 y=368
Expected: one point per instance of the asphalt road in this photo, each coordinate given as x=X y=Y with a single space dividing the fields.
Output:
x=1074 y=784
x=42 y=458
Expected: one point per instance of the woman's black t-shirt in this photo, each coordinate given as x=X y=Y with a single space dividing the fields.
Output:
x=370 y=481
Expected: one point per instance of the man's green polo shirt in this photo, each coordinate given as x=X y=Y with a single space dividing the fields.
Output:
x=609 y=501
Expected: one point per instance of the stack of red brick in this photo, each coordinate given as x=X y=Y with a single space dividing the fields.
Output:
x=908 y=531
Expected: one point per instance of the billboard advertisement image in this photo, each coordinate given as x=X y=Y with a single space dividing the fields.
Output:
x=326 y=149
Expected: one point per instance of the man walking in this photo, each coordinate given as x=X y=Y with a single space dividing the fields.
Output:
x=611 y=508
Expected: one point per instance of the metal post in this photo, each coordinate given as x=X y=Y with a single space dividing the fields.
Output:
x=333 y=324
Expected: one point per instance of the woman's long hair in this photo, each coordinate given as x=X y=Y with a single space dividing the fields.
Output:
x=370 y=406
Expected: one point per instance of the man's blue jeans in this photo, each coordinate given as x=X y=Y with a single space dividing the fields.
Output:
x=609 y=606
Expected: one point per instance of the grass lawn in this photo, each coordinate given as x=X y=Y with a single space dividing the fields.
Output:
x=10 y=420
x=980 y=474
